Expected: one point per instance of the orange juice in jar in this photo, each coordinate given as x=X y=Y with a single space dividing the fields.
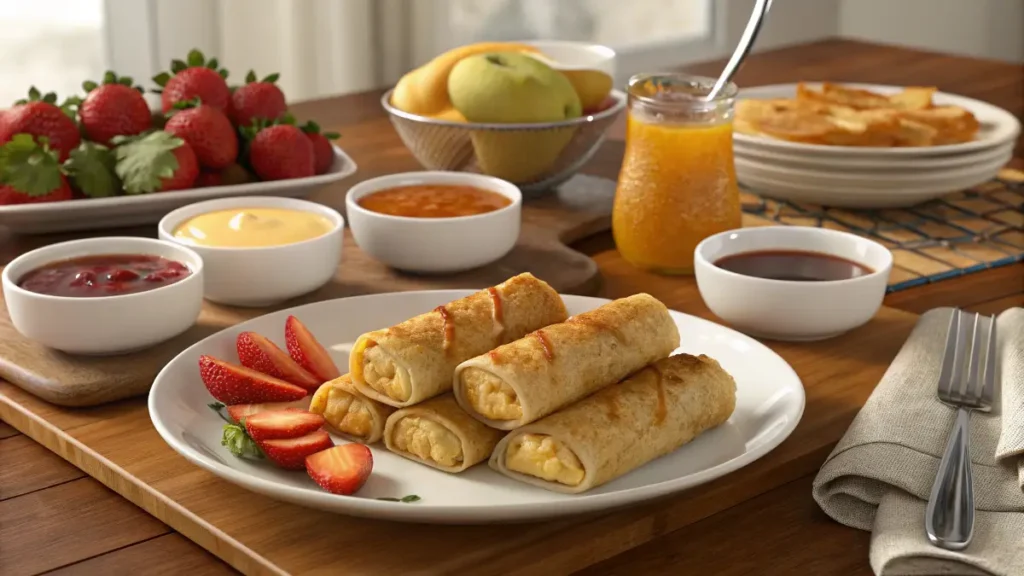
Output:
x=678 y=183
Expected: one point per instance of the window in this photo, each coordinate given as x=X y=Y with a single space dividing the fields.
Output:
x=54 y=45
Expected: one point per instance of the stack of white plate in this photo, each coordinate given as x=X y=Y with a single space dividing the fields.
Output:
x=859 y=177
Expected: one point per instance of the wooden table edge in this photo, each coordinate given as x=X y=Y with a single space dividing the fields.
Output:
x=129 y=487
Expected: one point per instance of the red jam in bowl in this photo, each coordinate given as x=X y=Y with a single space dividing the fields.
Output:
x=104 y=275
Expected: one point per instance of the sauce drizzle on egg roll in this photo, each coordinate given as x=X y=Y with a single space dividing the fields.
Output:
x=414 y=360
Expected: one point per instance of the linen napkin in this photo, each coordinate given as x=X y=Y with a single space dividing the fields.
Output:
x=880 y=474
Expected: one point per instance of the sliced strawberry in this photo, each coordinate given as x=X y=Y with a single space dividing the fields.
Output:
x=342 y=469
x=233 y=384
x=291 y=453
x=307 y=352
x=286 y=423
x=260 y=354
x=239 y=412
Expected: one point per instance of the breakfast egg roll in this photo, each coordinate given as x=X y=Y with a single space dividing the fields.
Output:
x=439 y=434
x=534 y=376
x=413 y=361
x=348 y=412
x=620 y=428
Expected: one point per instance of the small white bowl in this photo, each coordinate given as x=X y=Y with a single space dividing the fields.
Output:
x=792 y=310
x=435 y=245
x=256 y=277
x=108 y=324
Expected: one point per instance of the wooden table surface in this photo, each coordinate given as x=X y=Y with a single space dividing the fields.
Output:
x=48 y=504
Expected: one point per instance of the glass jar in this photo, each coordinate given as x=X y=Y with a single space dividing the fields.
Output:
x=677 y=185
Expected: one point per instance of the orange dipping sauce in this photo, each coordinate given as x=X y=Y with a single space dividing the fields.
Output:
x=434 y=201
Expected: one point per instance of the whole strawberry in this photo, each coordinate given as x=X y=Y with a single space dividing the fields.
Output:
x=280 y=152
x=39 y=116
x=207 y=130
x=196 y=78
x=323 y=152
x=257 y=99
x=155 y=162
x=113 y=108
x=30 y=173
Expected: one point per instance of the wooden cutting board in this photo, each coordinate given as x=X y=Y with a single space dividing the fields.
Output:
x=117 y=444
x=580 y=207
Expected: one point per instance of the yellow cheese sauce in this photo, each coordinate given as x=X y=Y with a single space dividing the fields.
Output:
x=252 y=228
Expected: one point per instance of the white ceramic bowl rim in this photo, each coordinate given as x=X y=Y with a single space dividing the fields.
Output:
x=175 y=217
x=618 y=95
x=768 y=231
x=489 y=183
x=606 y=53
x=195 y=263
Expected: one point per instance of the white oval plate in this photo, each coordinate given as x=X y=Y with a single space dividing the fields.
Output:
x=769 y=403
x=869 y=164
x=997 y=126
x=101 y=213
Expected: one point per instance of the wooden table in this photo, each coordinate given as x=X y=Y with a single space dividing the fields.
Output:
x=86 y=528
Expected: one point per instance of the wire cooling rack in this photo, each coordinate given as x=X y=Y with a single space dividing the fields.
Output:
x=959 y=234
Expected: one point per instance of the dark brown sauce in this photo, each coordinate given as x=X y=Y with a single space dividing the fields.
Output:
x=544 y=344
x=793 y=265
x=447 y=326
x=586 y=320
x=661 y=410
x=496 y=358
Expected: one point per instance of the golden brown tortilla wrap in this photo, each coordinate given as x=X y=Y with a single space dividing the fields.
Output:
x=620 y=428
x=413 y=361
x=439 y=434
x=348 y=412
x=534 y=376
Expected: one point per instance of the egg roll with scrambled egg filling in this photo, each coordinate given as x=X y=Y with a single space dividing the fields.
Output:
x=414 y=360
x=534 y=376
x=439 y=434
x=348 y=412
x=620 y=428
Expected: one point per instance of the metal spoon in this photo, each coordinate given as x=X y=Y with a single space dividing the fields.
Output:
x=761 y=8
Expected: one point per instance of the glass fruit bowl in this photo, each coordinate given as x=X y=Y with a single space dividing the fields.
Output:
x=535 y=156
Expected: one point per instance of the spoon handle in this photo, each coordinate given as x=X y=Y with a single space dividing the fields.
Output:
x=743 y=48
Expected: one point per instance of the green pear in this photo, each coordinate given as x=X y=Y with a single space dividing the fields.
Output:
x=511 y=87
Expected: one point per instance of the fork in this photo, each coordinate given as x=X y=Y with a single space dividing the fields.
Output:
x=949 y=518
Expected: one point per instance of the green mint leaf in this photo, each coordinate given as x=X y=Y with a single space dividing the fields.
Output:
x=28 y=166
x=239 y=443
x=177 y=66
x=272 y=78
x=410 y=498
x=161 y=78
x=143 y=162
x=250 y=77
x=91 y=168
x=195 y=58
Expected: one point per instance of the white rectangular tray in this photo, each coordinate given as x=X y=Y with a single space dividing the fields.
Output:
x=98 y=213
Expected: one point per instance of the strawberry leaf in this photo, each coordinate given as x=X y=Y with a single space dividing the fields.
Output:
x=28 y=166
x=143 y=162
x=272 y=78
x=250 y=77
x=239 y=443
x=212 y=64
x=161 y=78
x=91 y=168
x=195 y=58
x=89 y=85
x=178 y=66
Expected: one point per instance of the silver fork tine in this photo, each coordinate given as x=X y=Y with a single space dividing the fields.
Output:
x=988 y=382
x=973 y=381
x=949 y=356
